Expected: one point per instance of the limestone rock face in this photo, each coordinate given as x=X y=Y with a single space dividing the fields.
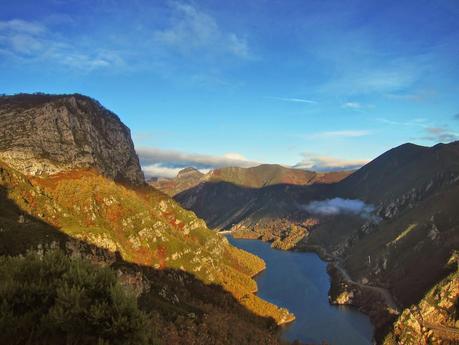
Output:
x=46 y=134
x=434 y=319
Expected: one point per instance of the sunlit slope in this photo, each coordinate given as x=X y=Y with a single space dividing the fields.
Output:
x=145 y=226
x=255 y=177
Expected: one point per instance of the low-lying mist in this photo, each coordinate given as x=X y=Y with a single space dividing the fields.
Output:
x=336 y=206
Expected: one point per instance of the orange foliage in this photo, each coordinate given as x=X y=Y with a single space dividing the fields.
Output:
x=114 y=214
x=161 y=254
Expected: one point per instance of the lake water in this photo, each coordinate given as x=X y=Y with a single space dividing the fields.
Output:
x=300 y=283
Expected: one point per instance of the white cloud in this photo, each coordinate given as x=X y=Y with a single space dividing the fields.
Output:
x=295 y=100
x=314 y=162
x=158 y=170
x=352 y=105
x=235 y=156
x=339 y=134
x=336 y=206
x=192 y=29
x=168 y=162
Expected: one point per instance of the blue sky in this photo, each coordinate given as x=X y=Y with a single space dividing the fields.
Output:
x=312 y=84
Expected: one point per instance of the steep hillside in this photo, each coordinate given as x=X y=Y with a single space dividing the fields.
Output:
x=435 y=319
x=71 y=180
x=393 y=223
x=400 y=170
x=46 y=134
x=223 y=204
x=256 y=177
x=180 y=308
x=415 y=224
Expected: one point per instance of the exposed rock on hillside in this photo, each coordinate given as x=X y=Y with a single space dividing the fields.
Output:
x=402 y=246
x=143 y=225
x=434 y=320
x=46 y=134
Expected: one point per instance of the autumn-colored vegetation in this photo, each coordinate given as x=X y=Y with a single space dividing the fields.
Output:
x=145 y=226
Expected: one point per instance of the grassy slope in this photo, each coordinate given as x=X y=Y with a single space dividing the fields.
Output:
x=144 y=225
x=181 y=309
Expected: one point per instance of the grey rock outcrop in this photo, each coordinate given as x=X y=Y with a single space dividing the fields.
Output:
x=46 y=134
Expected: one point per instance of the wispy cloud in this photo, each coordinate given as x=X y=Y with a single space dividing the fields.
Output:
x=22 y=26
x=440 y=134
x=191 y=29
x=356 y=106
x=417 y=96
x=27 y=41
x=358 y=63
x=417 y=122
x=159 y=162
x=374 y=80
x=339 y=134
x=352 y=105
x=295 y=100
x=315 y=162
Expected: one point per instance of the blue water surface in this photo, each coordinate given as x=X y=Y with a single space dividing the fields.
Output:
x=299 y=282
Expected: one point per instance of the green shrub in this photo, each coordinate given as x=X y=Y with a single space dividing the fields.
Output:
x=53 y=299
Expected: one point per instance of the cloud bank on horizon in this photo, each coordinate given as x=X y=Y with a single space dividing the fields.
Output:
x=167 y=163
x=314 y=162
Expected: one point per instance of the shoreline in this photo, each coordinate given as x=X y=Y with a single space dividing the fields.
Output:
x=325 y=258
x=368 y=299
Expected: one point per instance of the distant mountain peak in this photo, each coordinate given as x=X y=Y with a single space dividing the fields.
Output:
x=188 y=171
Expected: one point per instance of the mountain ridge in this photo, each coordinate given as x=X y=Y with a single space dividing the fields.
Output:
x=403 y=245
x=254 y=177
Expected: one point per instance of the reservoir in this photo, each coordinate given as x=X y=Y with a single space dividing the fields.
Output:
x=299 y=282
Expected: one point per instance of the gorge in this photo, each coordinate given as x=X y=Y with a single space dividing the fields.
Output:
x=388 y=233
x=299 y=282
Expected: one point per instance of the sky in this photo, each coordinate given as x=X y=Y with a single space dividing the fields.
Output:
x=312 y=84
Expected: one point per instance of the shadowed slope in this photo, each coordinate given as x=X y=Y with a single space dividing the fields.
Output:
x=405 y=243
x=181 y=309
x=143 y=225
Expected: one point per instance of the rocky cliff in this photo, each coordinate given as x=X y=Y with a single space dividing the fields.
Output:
x=435 y=319
x=46 y=134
